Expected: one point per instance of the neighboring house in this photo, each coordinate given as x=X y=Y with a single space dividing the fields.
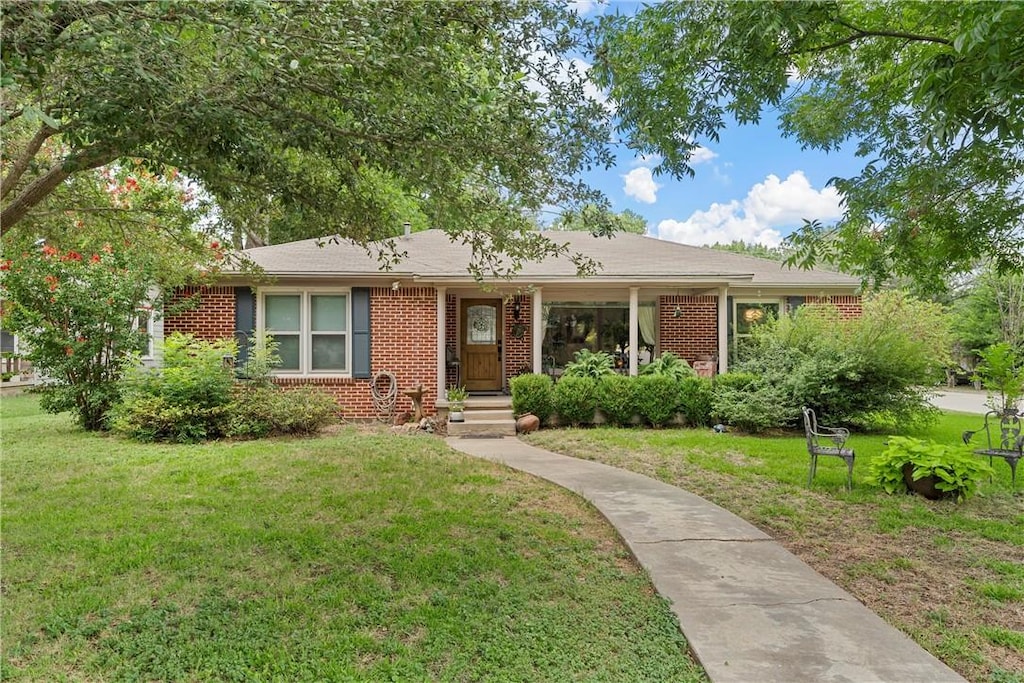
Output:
x=339 y=318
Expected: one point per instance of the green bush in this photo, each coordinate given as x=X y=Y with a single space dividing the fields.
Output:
x=532 y=394
x=616 y=397
x=695 y=400
x=266 y=410
x=575 y=399
x=739 y=381
x=185 y=400
x=855 y=371
x=151 y=417
x=669 y=364
x=956 y=469
x=657 y=398
x=588 y=364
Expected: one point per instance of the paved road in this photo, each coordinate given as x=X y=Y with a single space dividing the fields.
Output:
x=751 y=611
x=961 y=400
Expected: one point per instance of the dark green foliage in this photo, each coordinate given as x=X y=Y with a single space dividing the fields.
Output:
x=854 y=372
x=532 y=394
x=695 y=399
x=259 y=411
x=734 y=380
x=616 y=397
x=586 y=363
x=575 y=400
x=668 y=364
x=657 y=398
x=955 y=468
x=185 y=400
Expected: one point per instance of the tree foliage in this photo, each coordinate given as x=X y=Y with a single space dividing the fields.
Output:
x=80 y=314
x=929 y=92
x=307 y=118
x=598 y=219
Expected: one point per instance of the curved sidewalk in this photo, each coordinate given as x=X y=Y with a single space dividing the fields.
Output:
x=750 y=610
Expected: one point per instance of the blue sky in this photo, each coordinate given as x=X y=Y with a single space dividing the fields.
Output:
x=753 y=185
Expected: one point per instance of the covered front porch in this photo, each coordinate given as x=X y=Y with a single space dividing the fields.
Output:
x=487 y=337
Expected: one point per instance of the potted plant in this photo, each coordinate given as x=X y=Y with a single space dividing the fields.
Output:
x=456 y=403
x=931 y=469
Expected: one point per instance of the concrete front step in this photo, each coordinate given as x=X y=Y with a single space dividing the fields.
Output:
x=478 y=414
x=482 y=428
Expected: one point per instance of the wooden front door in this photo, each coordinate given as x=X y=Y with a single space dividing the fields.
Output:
x=481 y=344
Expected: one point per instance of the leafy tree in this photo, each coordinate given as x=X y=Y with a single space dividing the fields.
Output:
x=752 y=249
x=80 y=314
x=928 y=91
x=333 y=117
x=596 y=218
x=990 y=311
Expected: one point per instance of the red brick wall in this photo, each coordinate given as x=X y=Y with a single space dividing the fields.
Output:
x=213 y=317
x=403 y=341
x=518 y=352
x=695 y=332
x=849 y=305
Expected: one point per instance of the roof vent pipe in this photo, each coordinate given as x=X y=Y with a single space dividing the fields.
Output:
x=408 y=228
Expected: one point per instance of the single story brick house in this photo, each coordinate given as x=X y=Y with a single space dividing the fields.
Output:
x=339 y=318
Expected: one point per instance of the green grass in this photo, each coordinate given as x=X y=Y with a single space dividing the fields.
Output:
x=349 y=557
x=940 y=571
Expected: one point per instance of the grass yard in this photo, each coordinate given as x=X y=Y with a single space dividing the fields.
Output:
x=949 y=575
x=349 y=557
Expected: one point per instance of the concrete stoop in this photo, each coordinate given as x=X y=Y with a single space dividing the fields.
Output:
x=489 y=416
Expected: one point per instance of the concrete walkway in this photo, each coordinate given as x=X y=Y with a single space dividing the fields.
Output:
x=750 y=610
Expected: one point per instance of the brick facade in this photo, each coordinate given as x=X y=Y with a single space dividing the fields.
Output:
x=849 y=305
x=451 y=338
x=518 y=350
x=695 y=332
x=403 y=341
x=213 y=316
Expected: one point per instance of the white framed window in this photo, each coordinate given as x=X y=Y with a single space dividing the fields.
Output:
x=747 y=314
x=311 y=328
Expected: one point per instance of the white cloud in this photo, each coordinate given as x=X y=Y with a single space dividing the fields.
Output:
x=648 y=160
x=582 y=7
x=640 y=185
x=769 y=207
x=701 y=154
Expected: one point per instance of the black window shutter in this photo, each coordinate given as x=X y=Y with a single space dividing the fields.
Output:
x=245 y=321
x=361 y=332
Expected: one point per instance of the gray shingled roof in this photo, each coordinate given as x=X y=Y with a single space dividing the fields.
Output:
x=432 y=256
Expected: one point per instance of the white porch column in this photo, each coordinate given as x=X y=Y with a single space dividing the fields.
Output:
x=634 y=330
x=723 y=330
x=442 y=351
x=537 y=332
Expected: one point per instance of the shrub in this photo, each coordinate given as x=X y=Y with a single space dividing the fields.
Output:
x=588 y=364
x=616 y=397
x=532 y=394
x=267 y=410
x=956 y=470
x=852 y=370
x=669 y=364
x=185 y=400
x=575 y=399
x=695 y=400
x=657 y=398
x=1002 y=372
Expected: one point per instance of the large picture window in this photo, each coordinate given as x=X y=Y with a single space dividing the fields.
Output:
x=310 y=328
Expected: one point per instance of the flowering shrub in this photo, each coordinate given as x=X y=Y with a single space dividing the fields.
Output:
x=78 y=313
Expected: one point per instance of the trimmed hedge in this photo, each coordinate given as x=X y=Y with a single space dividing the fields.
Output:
x=532 y=394
x=657 y=398
x=616 y=397
x=576 y=400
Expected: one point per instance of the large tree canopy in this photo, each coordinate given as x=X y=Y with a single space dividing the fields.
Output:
x=310 y=118
x=929 y=92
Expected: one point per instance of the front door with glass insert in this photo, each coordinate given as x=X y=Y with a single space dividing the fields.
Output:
x=481 y=344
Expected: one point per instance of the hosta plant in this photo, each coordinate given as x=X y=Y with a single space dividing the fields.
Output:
x=955 y=469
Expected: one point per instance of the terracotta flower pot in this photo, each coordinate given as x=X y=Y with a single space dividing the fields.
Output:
x=527 y=423
x=924 y=486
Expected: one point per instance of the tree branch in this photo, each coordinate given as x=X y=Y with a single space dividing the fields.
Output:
x=24 y=159
x=860 y=34
x=42 y=186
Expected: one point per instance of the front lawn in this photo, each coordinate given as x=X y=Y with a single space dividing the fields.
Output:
x=949 y=575
x=350 y=557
